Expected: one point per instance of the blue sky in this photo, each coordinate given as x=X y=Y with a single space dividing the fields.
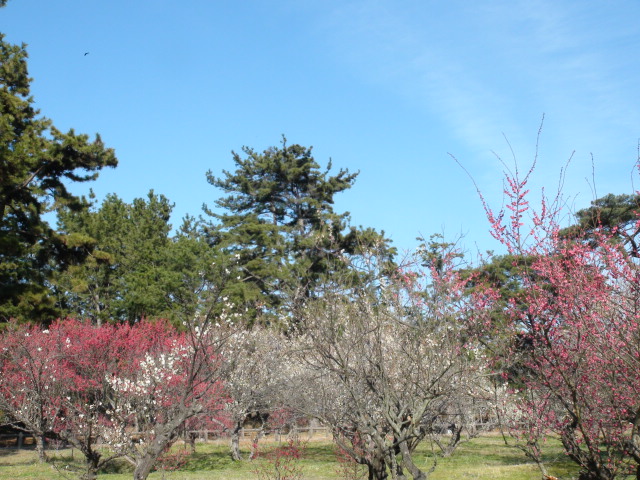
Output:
x=388 y=87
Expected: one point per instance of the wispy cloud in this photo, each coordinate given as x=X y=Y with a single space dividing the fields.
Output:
x=482 y=70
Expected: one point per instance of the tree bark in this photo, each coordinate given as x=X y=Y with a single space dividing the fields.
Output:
x=191 y=440
x=454 y=440
x=254 y=443
x=91 y=473
x=92 y=462
x=40 y=447
x=164 y=439
x=235 y=443
x=407 y=462
x=377 y=469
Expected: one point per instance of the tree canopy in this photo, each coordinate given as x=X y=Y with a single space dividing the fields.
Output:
x=278 y=226
x=134 y=267
x=37 y=163
x=614 y=214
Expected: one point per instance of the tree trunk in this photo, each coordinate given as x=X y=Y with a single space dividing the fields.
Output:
x=254 y=443
x=191 y=440
x=235 y=442
x=595 y=470
x=92 y=462
x=143 y=468
x=454 y=440
x=407 y=462
x=377 y=469
x=96 y=302
x=595 y=475
x=396 y=469
x=40 y=447
x=164 y=439
x=592 y=468
x=91 y=473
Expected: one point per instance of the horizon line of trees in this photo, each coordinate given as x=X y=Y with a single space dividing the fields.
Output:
x=276 y=240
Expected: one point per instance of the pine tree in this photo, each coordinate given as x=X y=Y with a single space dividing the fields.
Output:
x=279 y=231
x=615 y=214
x=128 y=273
x=37 y=161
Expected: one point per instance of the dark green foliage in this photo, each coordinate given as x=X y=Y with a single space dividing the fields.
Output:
x=613 y=214
x=509 y=275
x=133 y=267
x=122 y=242
x=199 y=274
x=37 y=161
x=278 y=228
x=506 y=273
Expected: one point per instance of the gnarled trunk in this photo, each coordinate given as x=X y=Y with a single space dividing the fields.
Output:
x=92 y=462
x=40 y=447
x=235 y=442
x=167 y=434
x=377 y=469
x=407 y=462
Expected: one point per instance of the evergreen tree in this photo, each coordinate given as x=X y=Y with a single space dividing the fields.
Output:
x=88 y=289
x=134 y=268
x=614 y=214
x=126 y=274
x=200 y=274
x=37 y=161
x=278 y=231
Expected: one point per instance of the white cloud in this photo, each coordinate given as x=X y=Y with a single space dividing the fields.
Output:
x=490 y=68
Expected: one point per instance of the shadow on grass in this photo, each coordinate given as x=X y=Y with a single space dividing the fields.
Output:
x=218 y=458
x=7 y=451
x=13 y=455
x=214 y=461
x=72 y=461
x=210 y=460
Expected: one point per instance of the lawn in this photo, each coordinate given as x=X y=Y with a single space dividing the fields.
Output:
x=482 y=458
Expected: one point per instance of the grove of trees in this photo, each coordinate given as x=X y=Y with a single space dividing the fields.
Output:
x=118 y=332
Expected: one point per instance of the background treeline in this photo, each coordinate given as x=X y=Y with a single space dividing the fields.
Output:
x=270 y=241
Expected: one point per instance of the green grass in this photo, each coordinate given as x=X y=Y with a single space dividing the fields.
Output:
x=482 y=458
x=489 y=458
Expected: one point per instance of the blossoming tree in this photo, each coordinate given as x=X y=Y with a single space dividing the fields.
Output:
x=254 y=381
x=34 y=379
x=165 y=378
x=386 y=366
x=131 y=387
x=92 y=355
x=578 y=331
